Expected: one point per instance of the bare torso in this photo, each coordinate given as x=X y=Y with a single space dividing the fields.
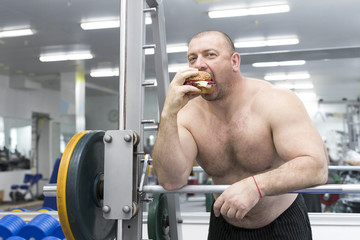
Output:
x=236 y=147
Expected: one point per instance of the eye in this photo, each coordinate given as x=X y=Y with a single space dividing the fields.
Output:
x=191 y=59
x=211 y=54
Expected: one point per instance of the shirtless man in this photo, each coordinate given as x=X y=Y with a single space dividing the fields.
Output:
x=247 y=134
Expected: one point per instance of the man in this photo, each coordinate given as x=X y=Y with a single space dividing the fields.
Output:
x=247 y=134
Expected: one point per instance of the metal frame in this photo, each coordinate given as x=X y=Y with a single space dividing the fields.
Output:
x=121 y=159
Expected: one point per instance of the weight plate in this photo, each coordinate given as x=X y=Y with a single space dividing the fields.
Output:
x=83 y=210
x=61 y=185
x=158 y=218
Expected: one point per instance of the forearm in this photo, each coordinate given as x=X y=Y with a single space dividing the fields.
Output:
x=169 y=161
x=296 y=174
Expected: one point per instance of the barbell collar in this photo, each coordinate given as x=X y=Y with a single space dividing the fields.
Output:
x=49 y=190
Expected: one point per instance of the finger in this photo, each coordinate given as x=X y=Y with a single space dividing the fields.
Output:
x=239 y=214
x=231 y=213
x=217 y=206
x=224 y=209
x=183 y=74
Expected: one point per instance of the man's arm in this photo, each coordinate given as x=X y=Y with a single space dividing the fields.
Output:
x=175 y=149
x=297 y=143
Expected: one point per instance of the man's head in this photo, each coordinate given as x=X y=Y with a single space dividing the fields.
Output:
x=214 y=52
x=228 y=41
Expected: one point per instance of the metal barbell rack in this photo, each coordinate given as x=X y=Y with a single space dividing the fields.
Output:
x=50 y=189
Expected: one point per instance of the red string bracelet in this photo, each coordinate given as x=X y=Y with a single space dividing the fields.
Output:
x=257 y=186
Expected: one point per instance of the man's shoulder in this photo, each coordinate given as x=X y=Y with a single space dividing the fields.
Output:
x=270 y=97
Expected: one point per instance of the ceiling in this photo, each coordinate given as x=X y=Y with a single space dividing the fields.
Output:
x=328 y=33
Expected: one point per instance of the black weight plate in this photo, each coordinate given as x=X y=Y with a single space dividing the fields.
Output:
x=85 y=216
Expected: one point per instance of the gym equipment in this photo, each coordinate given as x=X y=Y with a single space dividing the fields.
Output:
x=16 y=238
x=39 y=227
x=80 y=189
x=19 y=210
x=50 y=202
x=51 y=238
x=58 y=232
x=158 y=218
x=10 y=225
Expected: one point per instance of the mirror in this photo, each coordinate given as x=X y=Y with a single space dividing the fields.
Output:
x=15 y=144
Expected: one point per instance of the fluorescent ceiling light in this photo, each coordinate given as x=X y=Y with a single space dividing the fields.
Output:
x=249 y=11
x=176 y=67
x=93 y=25
x=175 y=48
x=297 y=86
x=171 y=48
x=100 y=25
x=16 y=33
x=279 y=64
x=63 y=56
x=266 y=43
x=291 y=76
x=105 y=72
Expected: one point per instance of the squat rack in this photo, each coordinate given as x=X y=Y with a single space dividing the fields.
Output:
x=122 y=199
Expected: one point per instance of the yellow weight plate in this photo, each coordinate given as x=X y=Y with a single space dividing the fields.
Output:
x=61 y=184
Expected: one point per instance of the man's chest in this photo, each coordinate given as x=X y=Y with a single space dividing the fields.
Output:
x=241 y=146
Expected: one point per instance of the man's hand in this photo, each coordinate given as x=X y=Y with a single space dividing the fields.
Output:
x=237 y=200
x=177 y=96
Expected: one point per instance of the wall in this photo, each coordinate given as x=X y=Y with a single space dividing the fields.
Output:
x=98 y=110
x=20 y=103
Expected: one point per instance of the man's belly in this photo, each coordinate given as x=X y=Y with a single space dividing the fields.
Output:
x=265 y=212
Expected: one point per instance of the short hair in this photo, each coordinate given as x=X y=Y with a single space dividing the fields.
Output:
x=228 y=40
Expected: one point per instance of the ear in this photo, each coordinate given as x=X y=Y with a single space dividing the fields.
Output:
x=235 y=60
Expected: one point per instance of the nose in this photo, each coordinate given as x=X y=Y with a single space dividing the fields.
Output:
x=200 y=64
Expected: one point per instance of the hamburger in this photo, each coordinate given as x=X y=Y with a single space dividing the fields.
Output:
x=202 y=81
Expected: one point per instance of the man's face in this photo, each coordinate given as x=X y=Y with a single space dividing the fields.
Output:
x=210 y=53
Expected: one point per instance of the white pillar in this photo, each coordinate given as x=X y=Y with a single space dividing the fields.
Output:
x=72 y=108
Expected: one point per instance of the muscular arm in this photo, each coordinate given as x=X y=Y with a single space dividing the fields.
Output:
x=175 y=149
x=174 y=154
x=298 y=143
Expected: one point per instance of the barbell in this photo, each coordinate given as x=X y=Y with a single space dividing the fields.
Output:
x=80 y=186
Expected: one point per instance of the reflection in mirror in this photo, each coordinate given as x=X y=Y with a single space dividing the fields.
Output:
x=15 y=144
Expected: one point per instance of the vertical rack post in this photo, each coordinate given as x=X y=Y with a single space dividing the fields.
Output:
x=121 y=201
x=132 y=35
x=162 y=78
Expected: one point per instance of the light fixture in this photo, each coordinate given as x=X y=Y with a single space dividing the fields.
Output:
x=100 y=25
x=16 y=33
x=279 y=64
x=171 y=48
x=266 y=43
x=176 y=67
x=248 y=11
x=93 y=25
x=105 y=72
x=296 y=86
x=65 y=56
x=176 y=48
x=290 y=76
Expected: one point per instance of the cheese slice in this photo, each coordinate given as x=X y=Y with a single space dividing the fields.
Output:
x=203 y=84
